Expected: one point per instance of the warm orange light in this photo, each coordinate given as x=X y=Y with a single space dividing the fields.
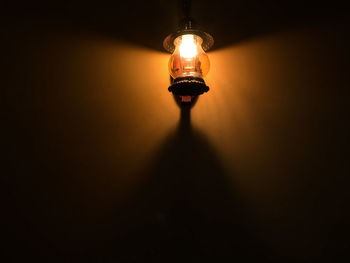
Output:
x=189 y=58
x=188 y=48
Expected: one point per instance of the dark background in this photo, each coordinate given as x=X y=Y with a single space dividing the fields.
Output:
x=101 y=165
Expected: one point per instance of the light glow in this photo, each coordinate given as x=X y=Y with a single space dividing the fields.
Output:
x=188 y=58
x=188 y=48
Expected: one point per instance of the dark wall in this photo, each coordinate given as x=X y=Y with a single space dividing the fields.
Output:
x=101 y=165
x=277 y=113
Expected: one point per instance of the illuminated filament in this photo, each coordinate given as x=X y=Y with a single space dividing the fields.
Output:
x=188 y=58
x=188 y=48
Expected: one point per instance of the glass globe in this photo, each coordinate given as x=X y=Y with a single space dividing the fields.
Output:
x=188 y=58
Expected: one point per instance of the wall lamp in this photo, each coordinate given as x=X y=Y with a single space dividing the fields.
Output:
x=189 y=63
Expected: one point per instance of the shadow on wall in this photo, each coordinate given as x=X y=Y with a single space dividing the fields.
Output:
x=147 y=23
x=186 y=208
x=84 y=117
x=276 y=114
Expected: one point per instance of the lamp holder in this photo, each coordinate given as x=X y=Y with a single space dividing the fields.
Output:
x=188 y=86
x=188 y=26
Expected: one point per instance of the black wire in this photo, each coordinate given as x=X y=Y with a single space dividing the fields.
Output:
x=186 y=8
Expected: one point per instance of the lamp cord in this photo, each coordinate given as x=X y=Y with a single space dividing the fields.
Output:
x=187 y=22
x=186 y=8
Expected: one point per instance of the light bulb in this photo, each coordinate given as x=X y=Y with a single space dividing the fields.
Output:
x=188 y=58
x=188 y=48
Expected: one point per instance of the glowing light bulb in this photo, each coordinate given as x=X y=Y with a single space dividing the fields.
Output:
x=188 y=58
x=188 y=48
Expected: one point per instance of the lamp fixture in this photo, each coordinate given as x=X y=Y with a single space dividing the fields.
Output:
x=189 y=63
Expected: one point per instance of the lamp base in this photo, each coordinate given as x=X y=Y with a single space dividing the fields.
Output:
x=188 y=86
